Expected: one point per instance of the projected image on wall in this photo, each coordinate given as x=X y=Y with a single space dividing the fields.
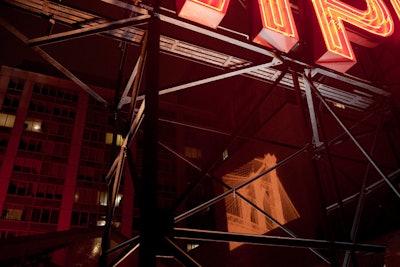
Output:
x=266 y=193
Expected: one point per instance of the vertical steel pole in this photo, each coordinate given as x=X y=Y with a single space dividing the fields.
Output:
x=358 y=145
x=313 y=119
x=362 y=198
x=149 y=232
x=311 y=134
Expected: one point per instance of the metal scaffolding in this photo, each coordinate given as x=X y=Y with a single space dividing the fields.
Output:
x=311 y=86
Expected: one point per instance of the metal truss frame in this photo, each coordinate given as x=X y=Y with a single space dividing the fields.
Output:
x=304 y=83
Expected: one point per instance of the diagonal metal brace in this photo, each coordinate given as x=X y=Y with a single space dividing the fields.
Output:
x=219 y=236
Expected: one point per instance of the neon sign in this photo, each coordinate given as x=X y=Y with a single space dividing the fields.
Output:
x=209 y=12
x=274 y=25
x=331 y=14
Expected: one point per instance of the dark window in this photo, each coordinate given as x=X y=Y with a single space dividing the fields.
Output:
x=45 y=90
x=58 y=194
x=52 y=91
x=40 y=192
x=45 y=216
x=35 y=215
x=75 y=218
x=54 y=216
x=40 y=108
x=56 y=111
x=12 y=188
x=64 y=113
x=22 y=189
x=37 y=88
x=84 y=219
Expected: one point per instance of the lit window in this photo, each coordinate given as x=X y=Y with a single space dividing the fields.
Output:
x=118 y=200
x=13 y=214
x=101 y=222
x=103 y=199
x=225 y=154
x=119 y=140
x=7 y=120
x=339 y=105
x=109 y=139
x=193 y=153
x=34 y=126
x=190 y=247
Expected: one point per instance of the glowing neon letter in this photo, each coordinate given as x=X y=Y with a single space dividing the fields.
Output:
x=331 y=14
x=206 y=12
x=396 y=6
x=275 y=25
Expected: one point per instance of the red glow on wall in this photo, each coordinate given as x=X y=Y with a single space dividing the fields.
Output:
x=206 y=12
x=275 y=26
x=338 y=53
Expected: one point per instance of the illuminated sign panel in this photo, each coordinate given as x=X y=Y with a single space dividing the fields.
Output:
x=331 y=14
x=206 y=12
x=273 y=25
x=396 y=6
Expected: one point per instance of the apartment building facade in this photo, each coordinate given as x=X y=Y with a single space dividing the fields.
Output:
x=55 y=149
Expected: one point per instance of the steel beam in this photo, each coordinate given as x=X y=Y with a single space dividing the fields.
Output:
x=234 y=189
x=87 y=31
x=133 y=80
x=112 y=195
x=368 y=190
x=274 y=62
x=197 y=29
x=328 y=158
x=217 y=36
x=126 y=6
x=168 y=16
x=218 y=236
x=121 y=257
x=113 y=179
x=133 y=240
x=232 y=137
x=149 y=217
x=181 y=255
x=136 y=122
x=361 y=199
x=313 y=160
x=351 y=80
x=125 y=99
x=53 y=62
x=358 y=145
x=205 y=129
x=311 y=112
x=281 y=226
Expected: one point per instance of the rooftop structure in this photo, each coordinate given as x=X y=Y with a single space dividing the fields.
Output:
x=230 y=153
